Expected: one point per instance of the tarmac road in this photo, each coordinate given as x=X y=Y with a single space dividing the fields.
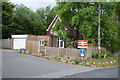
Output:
x=15 y=65
x=100 y=73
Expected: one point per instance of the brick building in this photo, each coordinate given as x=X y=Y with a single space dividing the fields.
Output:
x=35 y=43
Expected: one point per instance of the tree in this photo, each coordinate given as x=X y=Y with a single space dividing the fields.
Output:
x=46 y=16
x=28 y=22
x=80 y=21
x=7 y=11
x=25 y=21
x=19 y=19
x=110 y=28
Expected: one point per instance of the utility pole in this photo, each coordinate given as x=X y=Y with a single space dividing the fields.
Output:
x=99 y=40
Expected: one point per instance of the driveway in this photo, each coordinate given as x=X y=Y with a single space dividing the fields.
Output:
x=16 y=65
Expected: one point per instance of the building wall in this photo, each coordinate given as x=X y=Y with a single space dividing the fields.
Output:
x=33 y=46
x=33 y=42
x=53 y=41
x=45 y=38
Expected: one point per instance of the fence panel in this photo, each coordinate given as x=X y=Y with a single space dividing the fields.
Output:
x=62 y=51
x=72 y=52
x=52 y=50
x=42 y=49
x=6 y=43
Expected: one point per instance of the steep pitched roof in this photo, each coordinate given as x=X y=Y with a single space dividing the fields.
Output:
x=53 y=23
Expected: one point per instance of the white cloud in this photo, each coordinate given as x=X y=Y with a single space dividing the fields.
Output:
x=35 y=4
x=32 y=0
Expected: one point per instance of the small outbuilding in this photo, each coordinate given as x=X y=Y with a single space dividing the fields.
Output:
x=32 y=42
x=19 y=41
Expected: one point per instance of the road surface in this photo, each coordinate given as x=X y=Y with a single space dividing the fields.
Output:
x=100 y=73
x=15 y=65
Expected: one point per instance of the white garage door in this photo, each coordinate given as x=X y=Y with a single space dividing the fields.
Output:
x=19 y=43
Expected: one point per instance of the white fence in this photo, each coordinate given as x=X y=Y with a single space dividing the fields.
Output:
x=6 y=43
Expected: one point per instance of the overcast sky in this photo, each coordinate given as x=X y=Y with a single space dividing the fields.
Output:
x=35 y=4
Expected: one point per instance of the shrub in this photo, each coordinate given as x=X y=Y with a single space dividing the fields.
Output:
x=76 y=61
x=61 y=55
x=42 y=52
x=71 y=60
x=55 y=56
x=45 y=43
x=102 y=55
x=94 y=55
x=71 y=46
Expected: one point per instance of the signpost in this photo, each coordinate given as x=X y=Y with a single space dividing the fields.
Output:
x=82 y=51
x=83 y=45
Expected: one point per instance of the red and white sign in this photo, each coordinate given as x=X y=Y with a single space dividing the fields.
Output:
x=82 y=43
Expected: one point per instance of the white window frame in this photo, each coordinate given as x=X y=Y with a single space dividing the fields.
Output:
x=59 y=44
x=41 y=42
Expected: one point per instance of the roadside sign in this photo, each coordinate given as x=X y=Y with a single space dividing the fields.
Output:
x=82 y=51
x=82 y=43
x=82 y=54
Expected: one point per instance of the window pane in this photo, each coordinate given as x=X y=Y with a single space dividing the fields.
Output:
x=40 y=42
x=61 y=43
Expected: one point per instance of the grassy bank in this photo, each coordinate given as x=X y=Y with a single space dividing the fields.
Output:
x=92 y=62
x=102 y=62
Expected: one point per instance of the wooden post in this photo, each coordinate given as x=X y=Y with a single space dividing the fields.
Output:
x=45 y=50
x=58 y=52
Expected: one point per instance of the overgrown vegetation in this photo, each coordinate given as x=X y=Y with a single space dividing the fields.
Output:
x=103 y=54
x=79 y=20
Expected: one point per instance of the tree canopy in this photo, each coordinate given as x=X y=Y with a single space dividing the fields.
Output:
x=7 y=11
x=19 y=19
x=79 y=20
